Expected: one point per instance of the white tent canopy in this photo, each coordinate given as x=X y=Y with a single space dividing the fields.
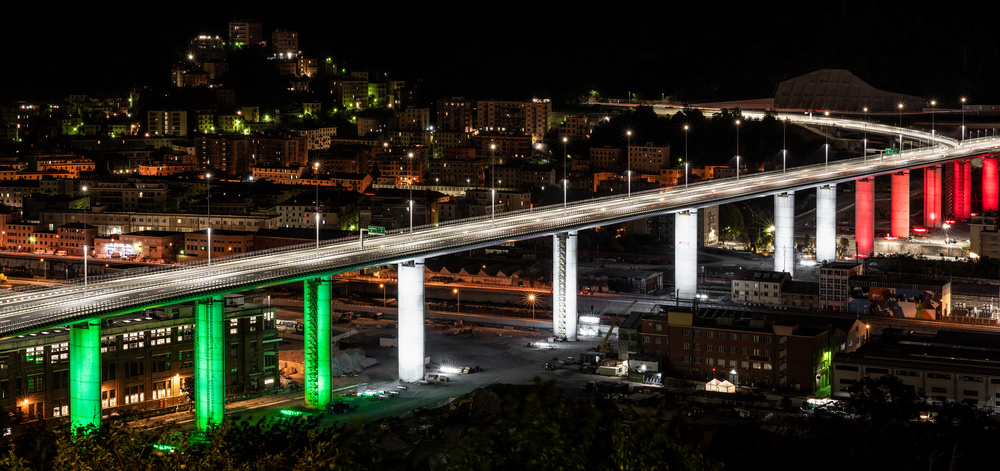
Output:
x=720 y=386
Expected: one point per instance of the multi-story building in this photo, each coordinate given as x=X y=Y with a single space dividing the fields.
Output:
x=73 y=165
x=285 y=43
x=352 y=93
x=167 y=123
x=605 y=158
x=946 y=367
x=984 y=239
x=413 y=119
x=745 y=348
x=456 y=114
x=575 y=128
x=317 y=139
x=224 y=243
x=833 y=287
x=245 y=32
x=147 y=361
x=648 y=159
x=455 y=172
x=121 y=222
x=205 y=48
x=130 y=196
x=280 y=151
x=515 y=117
x=759 y=286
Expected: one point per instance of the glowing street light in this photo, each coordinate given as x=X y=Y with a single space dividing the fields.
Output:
x=963 y=119
x=784 y=146
x=493 y=191
x=208 y=178
x=628 y=156
x=686 y=129
x=933 y=104
x=531 y=300
x=565 y=141
x=410 y=158
x=83 y=189
x=900 y=106
x=737 y=150
x=382 y=285
x=458 y=300
x=316 y=177
x=866 y=136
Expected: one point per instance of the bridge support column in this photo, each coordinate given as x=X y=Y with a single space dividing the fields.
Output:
x=991 y=183
x=784 y=232
x=686 y=254
x=864 y=216
x=932 y=197
x=210 y=362
x=411 y=320
x=899 y=220
x=564 y=314
x=826 y=223
x=960 y=189
x=317 y=321
x=85 y=374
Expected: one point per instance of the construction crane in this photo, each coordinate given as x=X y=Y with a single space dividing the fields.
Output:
x=605 y=346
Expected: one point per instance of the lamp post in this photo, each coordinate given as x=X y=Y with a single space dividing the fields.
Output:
x=316 y=177
x=686 y=129
x=208 y=231
x=900 y=106
x=933 y=104
x=410 y=158
x=784 y=146
x=84 y=190
x=493 y=191
x=963 y=119
x=565 y=161
x=531 y=299
x=458 y=300
x=865 y=109
x=628 y=156
x=737 y=150
x=382 y=285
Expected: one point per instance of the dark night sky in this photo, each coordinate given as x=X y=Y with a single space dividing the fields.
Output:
x=702 y=51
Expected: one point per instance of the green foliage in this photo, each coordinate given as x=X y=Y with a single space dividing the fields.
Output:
x=542 y=429
x=885 y=398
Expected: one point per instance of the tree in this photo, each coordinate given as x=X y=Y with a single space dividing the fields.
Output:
x=885 y=398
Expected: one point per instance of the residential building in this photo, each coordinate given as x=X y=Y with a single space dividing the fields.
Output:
x=285 y=43
x=946 y=367
x=147 y=361
x=759 y=286
x=167 y=123
x=894 y=297
x=748 y=349
x=516 y=117
x=245 y=32
x=833 y=286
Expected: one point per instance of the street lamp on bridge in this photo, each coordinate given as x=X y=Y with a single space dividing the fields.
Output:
x=737 y=122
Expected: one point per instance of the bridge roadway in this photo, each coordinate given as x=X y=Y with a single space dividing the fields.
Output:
x=36 y=309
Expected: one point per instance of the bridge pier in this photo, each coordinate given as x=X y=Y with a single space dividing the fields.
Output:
x=932 y=197
x=784 y=232
x=864 y=216
x=210 y=362
x=991 y=183
x=899 y=220
x=826 y=223
x=85 y=374
x=411 y=320
x=318 y=293
x=960 y=189
x=564 y=314
x=686 y=253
